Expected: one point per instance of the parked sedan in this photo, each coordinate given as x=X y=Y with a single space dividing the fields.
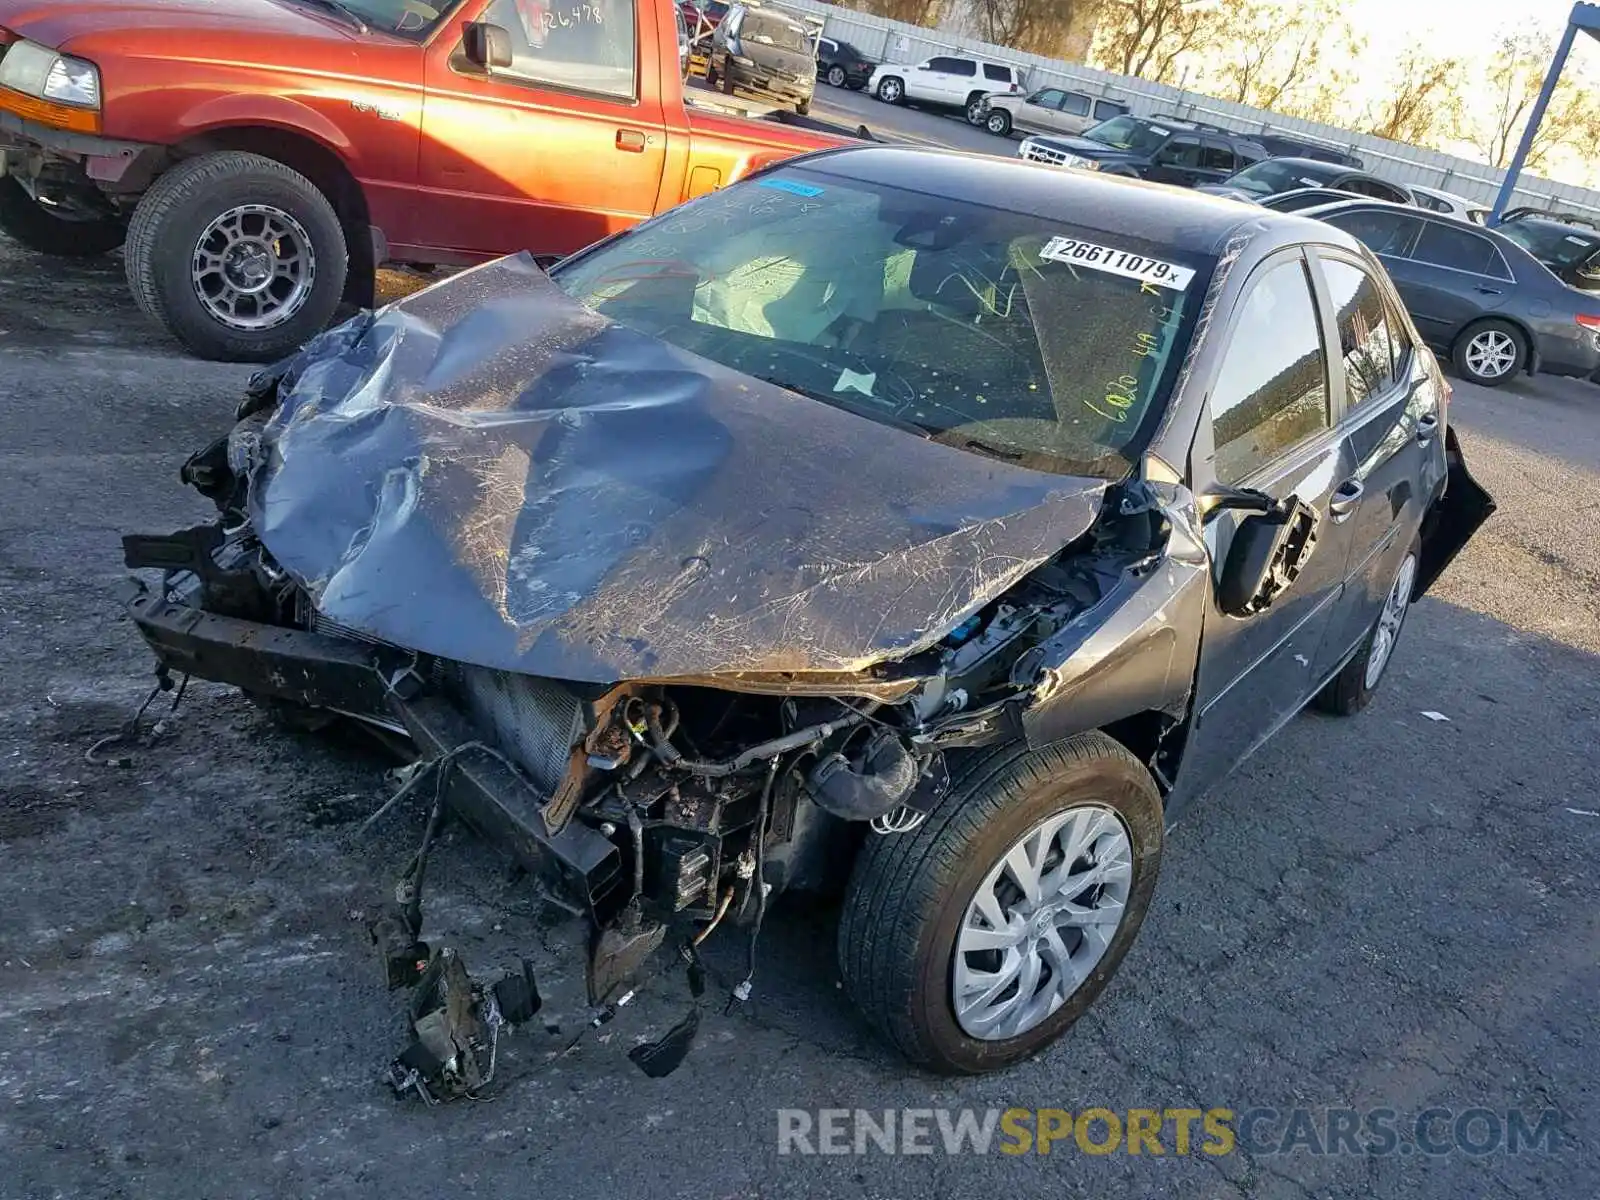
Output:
x=947 y=565
x=1276 y=175
x=1476 y=294
x=842 y=65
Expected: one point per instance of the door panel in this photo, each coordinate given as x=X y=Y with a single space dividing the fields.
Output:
x=533 y=165
x=1177 y=162
x=1269 y=427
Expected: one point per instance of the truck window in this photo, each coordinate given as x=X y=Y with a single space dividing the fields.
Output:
x=581 y=47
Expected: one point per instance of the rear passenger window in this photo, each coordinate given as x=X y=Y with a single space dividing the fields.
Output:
x=998 y=74
x=1366 y=341
x=1460 y=250
x=567 y=46
x=1272 y=391
x=1104 y=110
x=1381 y=232
x=1217 y=158
x=1076 y=105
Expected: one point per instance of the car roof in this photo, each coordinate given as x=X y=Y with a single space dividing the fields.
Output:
x=1177 y=217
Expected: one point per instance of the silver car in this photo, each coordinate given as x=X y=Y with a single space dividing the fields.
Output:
x=1048 y=110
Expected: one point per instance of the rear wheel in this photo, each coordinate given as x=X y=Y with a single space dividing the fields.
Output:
x=891 y=90
x=836 y=75
x=1490 y=352
x=999 y=123
x=977 y=938
x=1352 y=688
x=241 y=258
x=47 y=232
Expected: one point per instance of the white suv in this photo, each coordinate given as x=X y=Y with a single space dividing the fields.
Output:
x=953 y=81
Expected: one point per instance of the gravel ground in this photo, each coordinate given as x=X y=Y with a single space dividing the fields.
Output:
x=1389 y=911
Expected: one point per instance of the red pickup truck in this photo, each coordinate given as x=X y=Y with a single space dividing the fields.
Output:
x=258 y=159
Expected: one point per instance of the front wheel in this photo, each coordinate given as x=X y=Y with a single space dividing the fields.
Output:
x=976 y=939
x=836 y=75
x=999 y=123
x=891 y=90
x=241 y=258
x=1490 y=352
x=41 y=230
x=1353 y=687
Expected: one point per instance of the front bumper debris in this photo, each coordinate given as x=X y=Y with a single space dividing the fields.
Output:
x=382 y=684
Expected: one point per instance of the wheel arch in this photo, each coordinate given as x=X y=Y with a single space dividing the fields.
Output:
x=326 y=168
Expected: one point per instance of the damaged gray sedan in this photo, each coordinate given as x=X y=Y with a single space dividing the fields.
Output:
x=927 y=527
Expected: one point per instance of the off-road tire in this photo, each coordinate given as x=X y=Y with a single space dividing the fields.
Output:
x=177 y=209
x=1348 y=692
x=35 y=227
x=909 y=892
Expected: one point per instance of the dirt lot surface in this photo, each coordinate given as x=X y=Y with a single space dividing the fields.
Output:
x=1390 y=911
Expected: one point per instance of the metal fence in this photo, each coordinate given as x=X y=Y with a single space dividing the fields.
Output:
x=894 y=41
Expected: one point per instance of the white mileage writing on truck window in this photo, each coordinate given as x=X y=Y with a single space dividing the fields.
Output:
x=1117 y=262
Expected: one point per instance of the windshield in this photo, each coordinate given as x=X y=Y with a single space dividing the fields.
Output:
x=1129 y=133
x=1556 y=245
x=1005 y=334
x=1281 y=175
x=409 y=18
x=768 y=29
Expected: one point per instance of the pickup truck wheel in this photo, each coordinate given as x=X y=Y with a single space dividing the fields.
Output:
x=891 y=90
x=1353 y=687
x=36 y=227
x=241 y=258
x=999 y=123
x=977 y=938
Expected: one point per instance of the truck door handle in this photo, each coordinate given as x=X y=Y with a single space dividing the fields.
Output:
x=1344 y=500
x=1427 y=426
x=631 y=140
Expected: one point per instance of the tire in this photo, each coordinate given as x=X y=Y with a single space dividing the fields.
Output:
x=974 y=116
x=1478 y=342
x=836 y=76
x=711 y=75
x=909 y=895
x=193 y=202
x=1352 y=689
x=727 y=83
x=32 y=225
x=892 y=90
x=803 y=108
x=999 y=123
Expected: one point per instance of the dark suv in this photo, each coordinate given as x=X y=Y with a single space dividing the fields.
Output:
x=1144 y=148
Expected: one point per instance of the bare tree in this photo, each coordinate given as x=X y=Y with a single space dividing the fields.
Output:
x=1273 y=51
x=1038 y=26
x=913 y=12
x=1147 y=37
x=1516 y=73
x=1422 y=101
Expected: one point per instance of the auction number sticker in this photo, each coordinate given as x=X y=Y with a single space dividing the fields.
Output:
x=1117 y=262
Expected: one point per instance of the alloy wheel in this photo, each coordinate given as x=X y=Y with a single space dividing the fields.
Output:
x=889 y=91
x=253 y=267
x=1040 y=921
x=1491 y=353
x=1387 y=633
x=836 y=76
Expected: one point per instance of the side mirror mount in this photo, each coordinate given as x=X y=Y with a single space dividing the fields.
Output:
x=1221 y=499
x=1266 y=555
x=486 y=46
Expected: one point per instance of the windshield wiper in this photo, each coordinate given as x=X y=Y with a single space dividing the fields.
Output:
x=839 y=400
x=343 y=10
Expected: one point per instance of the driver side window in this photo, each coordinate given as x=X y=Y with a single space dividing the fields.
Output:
x=578 y=46
x=1271 y=393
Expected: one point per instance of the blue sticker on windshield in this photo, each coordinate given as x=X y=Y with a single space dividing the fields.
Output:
x=790 y=186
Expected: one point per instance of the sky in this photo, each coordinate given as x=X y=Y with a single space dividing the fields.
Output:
x=1455 y=27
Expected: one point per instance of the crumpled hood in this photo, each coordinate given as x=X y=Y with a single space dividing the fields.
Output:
x=496 y=474
x=58 y=23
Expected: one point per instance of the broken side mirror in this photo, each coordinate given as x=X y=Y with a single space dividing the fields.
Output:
x=1268 y=551
x=485 y=45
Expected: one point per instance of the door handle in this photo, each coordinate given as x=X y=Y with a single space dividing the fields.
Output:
x=631 y=140
x=1427 y=427
x=1344 y=500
